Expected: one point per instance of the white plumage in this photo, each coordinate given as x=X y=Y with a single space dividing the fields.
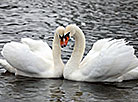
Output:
x=34 y=58
x=108 y=60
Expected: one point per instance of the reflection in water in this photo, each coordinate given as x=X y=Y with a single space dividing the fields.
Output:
x=58 y=90
x=80 y=91
x=38 y=19
x=29 y=89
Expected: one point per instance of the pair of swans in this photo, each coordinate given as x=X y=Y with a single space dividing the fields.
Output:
x=108 y=60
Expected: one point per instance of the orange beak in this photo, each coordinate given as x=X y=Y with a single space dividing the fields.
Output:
x=64 y=42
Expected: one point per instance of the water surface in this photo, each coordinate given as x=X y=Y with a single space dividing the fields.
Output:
x=38 y=19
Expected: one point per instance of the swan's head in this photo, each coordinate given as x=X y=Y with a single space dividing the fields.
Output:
x=68 y=32
x=60 y=32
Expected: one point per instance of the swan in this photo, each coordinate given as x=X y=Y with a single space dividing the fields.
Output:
x=34 y=58
x=108 y=61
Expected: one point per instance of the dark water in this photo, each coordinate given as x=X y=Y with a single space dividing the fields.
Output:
x=38 y=19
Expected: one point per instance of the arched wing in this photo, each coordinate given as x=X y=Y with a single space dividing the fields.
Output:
x=38 y=47
x=24 y=60
x=112 y=59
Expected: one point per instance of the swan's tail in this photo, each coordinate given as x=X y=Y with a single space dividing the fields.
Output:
x=131 y=75
x=7 y=66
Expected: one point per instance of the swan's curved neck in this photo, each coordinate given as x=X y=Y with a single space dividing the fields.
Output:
x=78 y=51
x=56 y=52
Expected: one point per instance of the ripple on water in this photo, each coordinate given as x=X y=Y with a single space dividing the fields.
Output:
x=38 y=20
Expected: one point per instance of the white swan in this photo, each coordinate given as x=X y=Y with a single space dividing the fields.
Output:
x=108 y=60
x=34 y=58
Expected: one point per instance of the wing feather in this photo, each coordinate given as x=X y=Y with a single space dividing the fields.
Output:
x=109 y=60
x=23 y=59
x=38 y=47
